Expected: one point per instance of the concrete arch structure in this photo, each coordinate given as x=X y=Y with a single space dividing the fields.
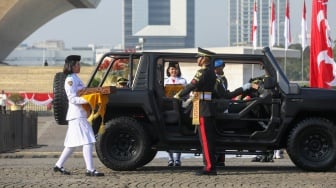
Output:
x=20 y=18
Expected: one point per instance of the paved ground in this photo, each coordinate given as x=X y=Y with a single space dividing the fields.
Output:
x=33 y=168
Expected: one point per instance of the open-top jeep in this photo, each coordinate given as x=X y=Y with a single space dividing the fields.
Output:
x=142 y=117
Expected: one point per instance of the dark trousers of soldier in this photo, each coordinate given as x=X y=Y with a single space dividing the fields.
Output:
x=207 y=136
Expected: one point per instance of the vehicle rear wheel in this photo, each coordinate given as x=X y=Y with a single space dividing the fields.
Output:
x=124 y=145
x=312 y=145
x=60 y=102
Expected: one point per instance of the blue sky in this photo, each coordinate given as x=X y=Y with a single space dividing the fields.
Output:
x=103 y=25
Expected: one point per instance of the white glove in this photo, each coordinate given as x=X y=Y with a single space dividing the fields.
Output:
x=246 y=86
x=176 y=96
x=186 y=103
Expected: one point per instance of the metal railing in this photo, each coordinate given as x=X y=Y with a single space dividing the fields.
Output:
x=40 y=109
x=18 y=130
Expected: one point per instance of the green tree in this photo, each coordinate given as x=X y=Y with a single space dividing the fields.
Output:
x=306 y=64
x=294 y=66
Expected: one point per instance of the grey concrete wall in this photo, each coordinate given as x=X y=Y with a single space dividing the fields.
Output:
x=19 y=19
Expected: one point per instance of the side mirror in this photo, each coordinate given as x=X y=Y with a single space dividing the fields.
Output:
x=269 y=83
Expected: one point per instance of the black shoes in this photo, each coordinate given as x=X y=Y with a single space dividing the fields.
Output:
x=263 y=158
x=256 y=159
x=177 y=163
x=94 y=173
x=208 y=173
x=88 y=173
x=61 y=170
x=170 y=163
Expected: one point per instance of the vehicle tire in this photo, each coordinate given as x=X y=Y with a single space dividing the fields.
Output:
x=60 y=102
x=149 y=157
x=124 y=145
x=312 y=145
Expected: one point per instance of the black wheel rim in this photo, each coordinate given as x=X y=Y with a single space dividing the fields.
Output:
x=315 y=147
x=122 y=146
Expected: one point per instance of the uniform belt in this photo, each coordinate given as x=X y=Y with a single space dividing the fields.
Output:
x=206 y=96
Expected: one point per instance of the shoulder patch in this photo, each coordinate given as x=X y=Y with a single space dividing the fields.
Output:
x=70 y=83
x=198 y=75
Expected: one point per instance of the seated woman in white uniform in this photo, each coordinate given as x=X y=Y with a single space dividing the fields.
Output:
x=174 y=77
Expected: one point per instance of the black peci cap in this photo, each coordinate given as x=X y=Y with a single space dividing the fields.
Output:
x=72 y=58
x=174 y=64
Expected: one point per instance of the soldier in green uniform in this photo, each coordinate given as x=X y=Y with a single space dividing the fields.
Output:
x=202 y=85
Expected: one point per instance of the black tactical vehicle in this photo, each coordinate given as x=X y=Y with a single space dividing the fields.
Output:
x=142 y=117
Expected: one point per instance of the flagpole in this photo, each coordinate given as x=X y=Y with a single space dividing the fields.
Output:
x=252 y=75
x=254 y=32
x=285 y=66
x=272 y=18
x=278 y=23
x=303 y=35
x=302 y=65
x=287 y=33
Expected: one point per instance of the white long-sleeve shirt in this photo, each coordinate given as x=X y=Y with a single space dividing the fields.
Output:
x=175 y=80
x=79 y=130
x=72 y=85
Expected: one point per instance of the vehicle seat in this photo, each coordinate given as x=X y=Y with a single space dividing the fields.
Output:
x=169 y=106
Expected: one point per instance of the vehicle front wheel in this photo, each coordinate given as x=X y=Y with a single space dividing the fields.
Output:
x=312 y=145
x=124 y=145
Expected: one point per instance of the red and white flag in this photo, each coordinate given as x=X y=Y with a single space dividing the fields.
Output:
x=322 y=64
x=272 y=24
x=254 y=26
x=287 y=32
x=304 y=27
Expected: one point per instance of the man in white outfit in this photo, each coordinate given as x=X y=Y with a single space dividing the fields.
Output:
x=3 y=101
x=79 y=131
